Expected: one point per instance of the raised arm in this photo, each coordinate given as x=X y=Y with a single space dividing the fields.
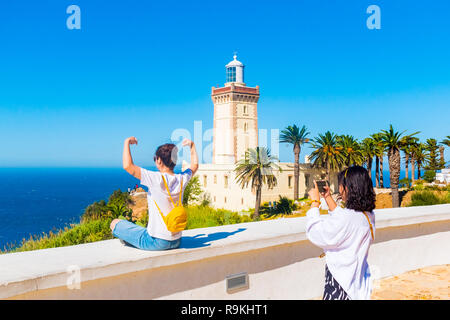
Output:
x=324 y=231
x=329 y=199
x=194 y=157
x=127 y=160
x=315 y=195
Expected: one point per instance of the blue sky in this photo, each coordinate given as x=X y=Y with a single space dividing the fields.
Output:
x=146 y=68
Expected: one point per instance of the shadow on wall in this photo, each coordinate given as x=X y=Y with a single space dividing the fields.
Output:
x=203 y=240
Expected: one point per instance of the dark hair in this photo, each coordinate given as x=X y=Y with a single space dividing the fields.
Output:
x=360 y=195
x=168 y=155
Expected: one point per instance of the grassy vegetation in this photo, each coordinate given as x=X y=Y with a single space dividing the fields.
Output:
x=91 y=231
x=423 y=194
x=429 y=197
x=421 y=186
x=205 y=216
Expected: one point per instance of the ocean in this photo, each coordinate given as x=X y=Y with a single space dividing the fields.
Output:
x=34 y=200
x=37 y=200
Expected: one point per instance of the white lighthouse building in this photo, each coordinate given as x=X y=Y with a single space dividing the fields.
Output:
x=236 y=130
x=235 y=116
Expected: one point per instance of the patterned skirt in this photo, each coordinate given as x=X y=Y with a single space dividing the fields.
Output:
x=333 y=290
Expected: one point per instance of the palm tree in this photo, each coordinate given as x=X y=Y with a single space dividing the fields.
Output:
x=257 y=168
x=351 y=149
x=406 y=146
x=412 y=154
x=296 y=137
x=379 y=154
x=441 y=157
x=327 y=154
x=367 y=147
x=445 y=142
x=392 y=141
x=420 y=157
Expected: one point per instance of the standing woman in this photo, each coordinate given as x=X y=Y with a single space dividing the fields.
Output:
x=345 y=235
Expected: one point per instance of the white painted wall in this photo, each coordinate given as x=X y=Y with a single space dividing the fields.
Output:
x=280 y=261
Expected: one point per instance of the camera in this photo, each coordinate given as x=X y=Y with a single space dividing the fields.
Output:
x=321 y=184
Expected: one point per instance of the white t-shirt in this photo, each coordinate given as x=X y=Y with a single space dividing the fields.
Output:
x=157 y=192
x=345 y=236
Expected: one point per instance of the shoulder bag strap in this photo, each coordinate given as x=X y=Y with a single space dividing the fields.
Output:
x=370 y=224
x=167 y=188
x=160 y=212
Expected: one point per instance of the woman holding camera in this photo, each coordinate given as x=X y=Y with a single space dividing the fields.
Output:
x=345 y=234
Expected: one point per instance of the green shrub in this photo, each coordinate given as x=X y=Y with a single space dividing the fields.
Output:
x=205 y=200
x=405 y=183
x=143 y=221
x=283 y=205
x=119 y=197
x=95 y=230
x=429 y=176
x=192 y=191
x=426 y=198
x=117 y=206
x=117 y=210
x=204 y=216
x=94 y=211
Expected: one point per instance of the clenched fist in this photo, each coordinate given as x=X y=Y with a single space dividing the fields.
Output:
x=131 y=140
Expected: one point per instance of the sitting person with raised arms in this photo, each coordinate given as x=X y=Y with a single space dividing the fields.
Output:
x=345 y=234
x=166 y=215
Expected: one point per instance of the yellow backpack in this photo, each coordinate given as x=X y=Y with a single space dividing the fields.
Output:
x=176 y=220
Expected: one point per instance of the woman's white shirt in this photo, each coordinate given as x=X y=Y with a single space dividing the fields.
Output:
x=157 y=192
x=345 y=236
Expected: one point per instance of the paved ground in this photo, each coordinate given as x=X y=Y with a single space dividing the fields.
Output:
x=431 y=283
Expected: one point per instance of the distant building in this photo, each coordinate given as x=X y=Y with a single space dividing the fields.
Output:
x=236 y=130
x=443 y=176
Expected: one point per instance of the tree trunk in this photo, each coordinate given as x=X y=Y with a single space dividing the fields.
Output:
x=406 y=166
x=418 y=171
x=369 y=167
x=328 y=171
x=394 y=174
x=377 y=172
x=413 y=169
x=296 y=170
x=442 y=158
x=381 y=172
x=258 y=200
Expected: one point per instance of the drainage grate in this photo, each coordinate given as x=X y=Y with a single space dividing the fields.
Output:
x=237 y=282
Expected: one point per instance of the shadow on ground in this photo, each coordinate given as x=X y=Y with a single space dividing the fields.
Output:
x=204 y=240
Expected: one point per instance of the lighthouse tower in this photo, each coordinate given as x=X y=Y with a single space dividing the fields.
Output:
x=235 y=116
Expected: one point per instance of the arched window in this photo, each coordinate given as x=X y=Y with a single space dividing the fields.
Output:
x=245 y=127
x=245 y=110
